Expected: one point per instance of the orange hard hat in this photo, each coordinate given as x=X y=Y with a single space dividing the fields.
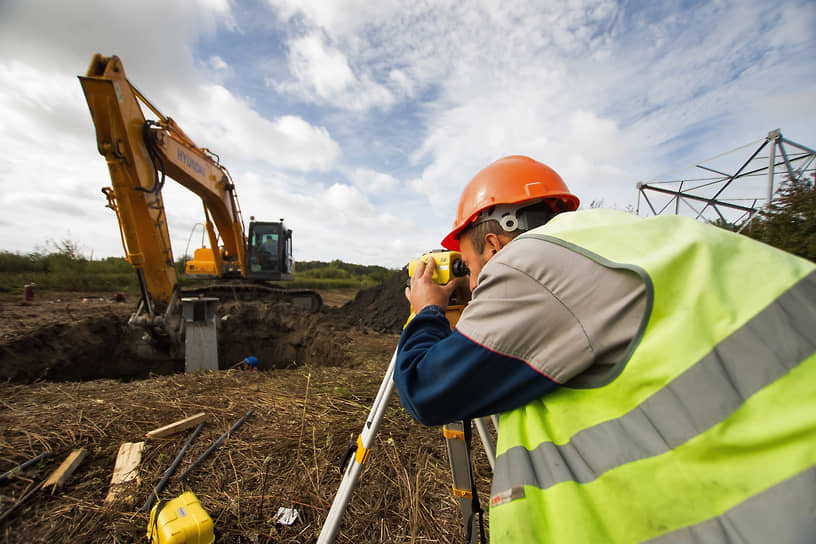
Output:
x=511 y=180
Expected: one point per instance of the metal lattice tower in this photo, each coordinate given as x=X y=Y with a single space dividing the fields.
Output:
x=710 y=193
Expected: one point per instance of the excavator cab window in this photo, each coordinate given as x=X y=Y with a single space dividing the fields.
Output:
x=288 y=263
x=270 y=251
x=270 y=244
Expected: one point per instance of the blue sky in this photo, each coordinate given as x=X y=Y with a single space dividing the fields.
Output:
x=360 y=122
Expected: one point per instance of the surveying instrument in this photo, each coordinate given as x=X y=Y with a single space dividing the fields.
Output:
x=449 y=266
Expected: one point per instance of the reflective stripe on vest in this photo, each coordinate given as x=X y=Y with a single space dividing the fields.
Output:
x=713 y=410
x=778 y=515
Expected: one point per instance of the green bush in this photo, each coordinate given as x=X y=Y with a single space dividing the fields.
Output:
x=326 y=273
x=64 y=268
x=377 y=273
x=14 y=262
x=11 y=282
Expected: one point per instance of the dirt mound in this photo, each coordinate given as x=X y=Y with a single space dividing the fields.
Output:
x=382 y=308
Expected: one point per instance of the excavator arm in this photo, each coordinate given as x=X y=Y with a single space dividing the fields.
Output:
x=139 y=154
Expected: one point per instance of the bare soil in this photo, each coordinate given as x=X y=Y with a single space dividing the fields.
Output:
x=72 y=378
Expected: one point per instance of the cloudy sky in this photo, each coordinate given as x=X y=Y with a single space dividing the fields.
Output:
x=360 y=122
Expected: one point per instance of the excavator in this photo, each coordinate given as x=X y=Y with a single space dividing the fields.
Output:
x=140 y=154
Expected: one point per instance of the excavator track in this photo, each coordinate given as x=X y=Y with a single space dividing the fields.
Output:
x=303 y=299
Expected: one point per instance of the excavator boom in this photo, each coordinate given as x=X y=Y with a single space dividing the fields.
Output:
x=136 y=193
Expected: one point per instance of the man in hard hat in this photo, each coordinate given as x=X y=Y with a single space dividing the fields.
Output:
x=654 y=376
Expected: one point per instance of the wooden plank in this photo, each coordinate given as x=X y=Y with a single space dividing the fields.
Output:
x=64 y=471
x=178 y=426
x=127 y=461
x=125 y=469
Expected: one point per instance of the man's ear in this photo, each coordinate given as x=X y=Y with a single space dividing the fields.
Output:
x=493 y=243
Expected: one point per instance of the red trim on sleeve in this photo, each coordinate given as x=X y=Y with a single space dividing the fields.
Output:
x=505 y=355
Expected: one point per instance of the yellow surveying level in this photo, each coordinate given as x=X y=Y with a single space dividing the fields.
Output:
x=449 y=265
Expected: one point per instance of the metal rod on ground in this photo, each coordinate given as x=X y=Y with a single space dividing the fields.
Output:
x=25 y=497
x=355 y=466
x=170 y=470
x=215 y=445
x=21 y=467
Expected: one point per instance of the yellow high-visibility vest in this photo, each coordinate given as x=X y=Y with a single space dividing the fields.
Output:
x=705 y=431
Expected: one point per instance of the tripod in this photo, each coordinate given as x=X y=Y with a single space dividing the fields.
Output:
x=456 y=437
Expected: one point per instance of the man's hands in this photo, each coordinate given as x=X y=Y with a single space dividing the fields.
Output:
x=424 y=291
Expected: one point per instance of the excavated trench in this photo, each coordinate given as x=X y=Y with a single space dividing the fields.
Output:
x=79 y=344
x=91 y=347
x=104 y=346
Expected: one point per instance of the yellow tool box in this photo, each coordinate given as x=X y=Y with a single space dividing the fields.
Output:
x=180 y=521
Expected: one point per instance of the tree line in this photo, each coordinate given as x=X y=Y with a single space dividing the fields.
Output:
x=789 y=223
x=62 y=266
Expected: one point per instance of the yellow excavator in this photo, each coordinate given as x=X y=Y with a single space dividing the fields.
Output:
x=140 y=154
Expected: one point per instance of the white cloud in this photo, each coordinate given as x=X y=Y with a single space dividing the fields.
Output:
x=217 y=63
x=521 y=118
x=338 y=16
x=347 y=203
x=323 y=75
x=586 y=130
x=371 y=181
x=216 y=119
x=402 y=82
x=329 y=221
x=220 y=10
x=324 y=69
x=64 y=35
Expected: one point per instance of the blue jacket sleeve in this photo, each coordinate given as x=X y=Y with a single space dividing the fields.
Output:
x=443 y=376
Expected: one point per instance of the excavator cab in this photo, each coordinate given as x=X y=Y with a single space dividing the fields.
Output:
x=269 y=251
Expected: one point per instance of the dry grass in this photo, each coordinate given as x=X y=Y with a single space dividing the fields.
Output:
x=285 y=454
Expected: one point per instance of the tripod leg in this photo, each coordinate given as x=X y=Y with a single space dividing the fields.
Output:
x=364 y=443
x=487 y=441
x=462 y=473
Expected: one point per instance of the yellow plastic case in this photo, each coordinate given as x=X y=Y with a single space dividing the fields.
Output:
x=445 y=260
x=180 y=521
